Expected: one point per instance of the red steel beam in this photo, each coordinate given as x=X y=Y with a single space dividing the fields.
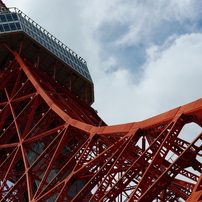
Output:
x=53 y=146
x=3 y=4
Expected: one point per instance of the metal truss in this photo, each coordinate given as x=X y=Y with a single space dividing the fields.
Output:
x=54 y=147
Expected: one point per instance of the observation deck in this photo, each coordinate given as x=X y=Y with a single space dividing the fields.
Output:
x=41 y=48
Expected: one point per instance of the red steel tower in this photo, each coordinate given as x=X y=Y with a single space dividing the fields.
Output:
x=54 y=146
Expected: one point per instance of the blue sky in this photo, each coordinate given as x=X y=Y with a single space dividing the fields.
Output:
x=144 y=56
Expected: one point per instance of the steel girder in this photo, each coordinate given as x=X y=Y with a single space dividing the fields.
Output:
x=54 y=147
x=3 y=5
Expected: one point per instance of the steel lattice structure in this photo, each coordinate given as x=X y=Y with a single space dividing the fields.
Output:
x=54 y=146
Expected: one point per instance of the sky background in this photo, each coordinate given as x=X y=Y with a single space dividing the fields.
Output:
x=145 y=57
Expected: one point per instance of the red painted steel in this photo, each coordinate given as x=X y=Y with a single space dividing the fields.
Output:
x=3 y=4
x=54 y=147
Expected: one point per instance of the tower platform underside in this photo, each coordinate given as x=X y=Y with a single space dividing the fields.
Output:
x=46 y=52
x=54 y=146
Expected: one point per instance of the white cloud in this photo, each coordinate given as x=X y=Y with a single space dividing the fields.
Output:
x=176 y=75
x=171 y=80
x=148 y=18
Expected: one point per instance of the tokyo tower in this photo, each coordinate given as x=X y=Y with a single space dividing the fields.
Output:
x=54 y=146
